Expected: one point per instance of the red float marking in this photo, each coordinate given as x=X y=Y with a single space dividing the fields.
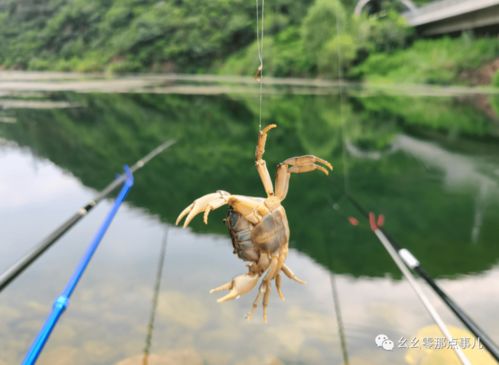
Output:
x=381 y=220
x=372 y=221
x=353 y=221
x=376 y=223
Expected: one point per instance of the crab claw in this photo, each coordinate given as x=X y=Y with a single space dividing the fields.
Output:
x=268 y=128
x=238 y=286
x=205 y=204
x=308 y=163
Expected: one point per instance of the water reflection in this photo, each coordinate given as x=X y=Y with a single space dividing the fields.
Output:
x=216 y=142
x=435 y=181
x=459 y=172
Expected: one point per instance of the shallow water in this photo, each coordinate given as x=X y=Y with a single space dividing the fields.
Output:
x=430 y=164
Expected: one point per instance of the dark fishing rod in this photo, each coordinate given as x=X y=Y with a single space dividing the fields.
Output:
x=157 y=286
x=413 y=263
x=339 y=319
x=24 y=262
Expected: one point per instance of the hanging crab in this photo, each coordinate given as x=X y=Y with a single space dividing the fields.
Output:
x=258 y=226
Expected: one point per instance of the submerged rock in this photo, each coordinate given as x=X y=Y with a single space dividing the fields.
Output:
x=436 y=356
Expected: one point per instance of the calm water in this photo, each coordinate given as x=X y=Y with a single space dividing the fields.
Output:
x=430 y=164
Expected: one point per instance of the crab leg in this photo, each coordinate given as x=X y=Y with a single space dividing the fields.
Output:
x=251 y=209
x=283 y=254
x=265 y=290
x=282 y=181
x=278 y=286
x=249 y=315
x=290 y=274
x=266 y=298
x=261 y=165
x=266 y=282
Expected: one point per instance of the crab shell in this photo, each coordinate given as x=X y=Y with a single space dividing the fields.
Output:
x=250 y=240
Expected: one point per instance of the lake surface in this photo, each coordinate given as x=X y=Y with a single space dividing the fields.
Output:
x=428 y=161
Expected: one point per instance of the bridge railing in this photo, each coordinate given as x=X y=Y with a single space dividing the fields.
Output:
x=447 y=8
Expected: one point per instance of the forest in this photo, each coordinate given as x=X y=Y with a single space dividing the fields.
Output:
x=309 y=38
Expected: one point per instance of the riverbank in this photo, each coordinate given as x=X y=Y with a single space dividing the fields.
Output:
x=464 y=110
x=444 y=61
x=14 y=82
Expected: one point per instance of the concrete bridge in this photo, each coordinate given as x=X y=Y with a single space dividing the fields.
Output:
x=448 y=16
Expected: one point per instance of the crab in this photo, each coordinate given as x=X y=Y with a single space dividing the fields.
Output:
x=258 y=226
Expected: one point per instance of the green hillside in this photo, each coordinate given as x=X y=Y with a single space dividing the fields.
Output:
x=302 y=38
x=128 y=35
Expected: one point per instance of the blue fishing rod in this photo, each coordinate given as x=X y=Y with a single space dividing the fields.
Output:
x=62 y=301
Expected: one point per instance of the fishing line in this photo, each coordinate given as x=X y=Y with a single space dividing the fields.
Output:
x=332 y=275
x=157 y=286
x=342 y=117
x=260 y=26
x=339 y=319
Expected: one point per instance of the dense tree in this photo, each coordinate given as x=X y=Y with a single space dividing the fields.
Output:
x=302 y=38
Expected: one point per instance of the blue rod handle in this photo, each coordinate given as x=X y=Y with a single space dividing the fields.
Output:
x=62 y=301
